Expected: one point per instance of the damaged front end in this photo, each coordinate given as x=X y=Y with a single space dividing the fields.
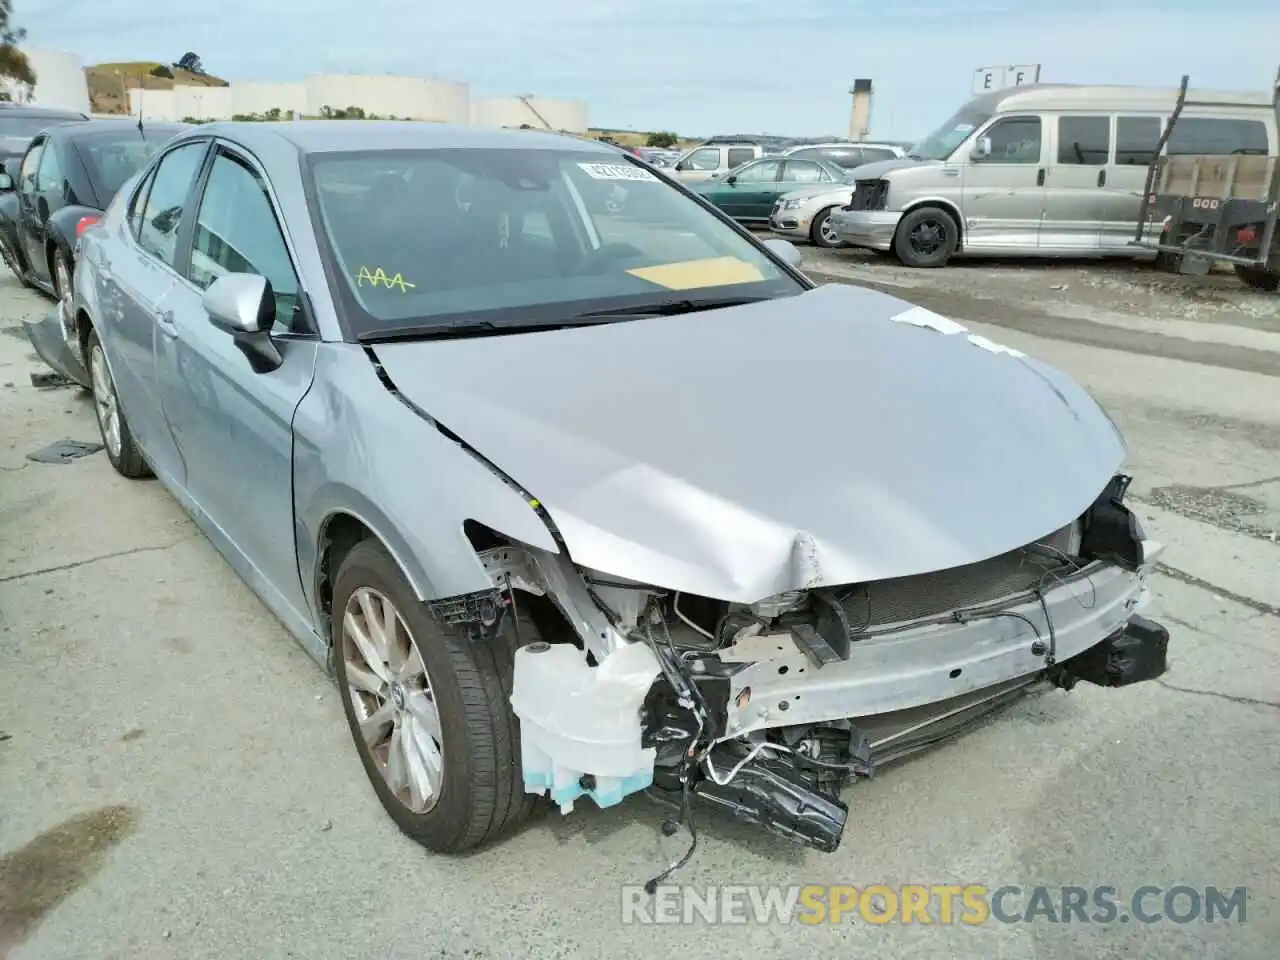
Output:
x=767 y=710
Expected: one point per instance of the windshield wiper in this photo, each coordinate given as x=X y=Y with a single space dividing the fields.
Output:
x=471 y=328
x=671 y=308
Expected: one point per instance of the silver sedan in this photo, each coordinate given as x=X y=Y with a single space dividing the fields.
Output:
x=579 y=501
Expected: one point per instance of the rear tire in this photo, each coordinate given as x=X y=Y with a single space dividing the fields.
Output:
x=1255 y=278
x=478 y=790
x=820 y=233
x=112 y=424
x=926 y=238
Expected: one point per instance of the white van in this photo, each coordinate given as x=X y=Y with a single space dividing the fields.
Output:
x=1041 y=170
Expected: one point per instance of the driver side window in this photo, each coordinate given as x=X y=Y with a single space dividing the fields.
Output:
x=1015 y=140
x=49 y=175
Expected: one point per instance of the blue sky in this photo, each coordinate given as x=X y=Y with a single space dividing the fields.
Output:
x=776 y=66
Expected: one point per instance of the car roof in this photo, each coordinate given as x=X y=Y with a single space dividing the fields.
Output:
x=92 y=129
x=41 y=113
x=336 y=136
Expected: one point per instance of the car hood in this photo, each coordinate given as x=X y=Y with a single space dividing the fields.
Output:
x=874 y=171
x=836 y=436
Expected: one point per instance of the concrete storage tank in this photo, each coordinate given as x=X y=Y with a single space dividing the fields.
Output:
x=538 y=112
x=258 y=98
x=415 y=98
x=60 y=81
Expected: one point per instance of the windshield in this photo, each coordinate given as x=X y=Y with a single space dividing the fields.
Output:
x=112 y=161
x=940 y=144
x=434 y=237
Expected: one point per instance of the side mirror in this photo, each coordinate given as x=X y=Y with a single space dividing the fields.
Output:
x=981 y=149
x=731 y=180
x=784 y=250
x=680 y=166
x=6 y=183
x=243 y=305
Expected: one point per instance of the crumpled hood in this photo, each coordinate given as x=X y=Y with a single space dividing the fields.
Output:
x=837 y=191
x=836 y=436
x=874 y=171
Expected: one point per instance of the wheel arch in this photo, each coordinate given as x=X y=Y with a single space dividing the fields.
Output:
x=946 y=206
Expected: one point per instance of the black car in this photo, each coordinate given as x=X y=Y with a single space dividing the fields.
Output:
x=19 y=123
x=65 y=180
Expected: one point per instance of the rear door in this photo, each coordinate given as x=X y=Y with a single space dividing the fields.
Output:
x=754 y=188
x=141 y=277
x=1136 y=140
x=1075 y=181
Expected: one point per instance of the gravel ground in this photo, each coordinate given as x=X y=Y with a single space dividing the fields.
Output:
x=176 y=779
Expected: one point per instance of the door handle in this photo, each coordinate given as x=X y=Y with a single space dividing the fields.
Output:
x=1102 y=178
x=164 y=320
x=1040 y=178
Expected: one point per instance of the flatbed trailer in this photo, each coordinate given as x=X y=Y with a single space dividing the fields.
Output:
x=1199 y=210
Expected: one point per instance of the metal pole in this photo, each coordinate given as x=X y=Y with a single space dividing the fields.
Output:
x=1155 y=160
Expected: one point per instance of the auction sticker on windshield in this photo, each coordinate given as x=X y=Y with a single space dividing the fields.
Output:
x=615 y=171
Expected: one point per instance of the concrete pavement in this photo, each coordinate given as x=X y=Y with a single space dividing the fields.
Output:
x=176 y=779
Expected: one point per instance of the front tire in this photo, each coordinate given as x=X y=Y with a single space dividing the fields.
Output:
x=821 y=234
x=926 y=237
x=112 y=425
x=428 y=708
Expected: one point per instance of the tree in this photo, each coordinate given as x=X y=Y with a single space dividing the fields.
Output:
x=14 y=65
x=662 y=139
x=189 y=62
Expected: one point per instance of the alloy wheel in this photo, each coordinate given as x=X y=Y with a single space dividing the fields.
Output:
x=104 y=400
x=394 y=703
x=829 y=232
x=62 y=277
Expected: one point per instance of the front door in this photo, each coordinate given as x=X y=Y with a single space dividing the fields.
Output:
x=30 y=227
x=234 y=427
x=1003 y=192
x=1075 y=184
x=699 y=165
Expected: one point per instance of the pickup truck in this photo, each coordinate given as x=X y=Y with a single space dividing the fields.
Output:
x=1215 y=208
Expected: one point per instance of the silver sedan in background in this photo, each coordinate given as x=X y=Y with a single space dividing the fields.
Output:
x=583 y=503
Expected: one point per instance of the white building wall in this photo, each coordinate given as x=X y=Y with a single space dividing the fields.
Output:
x=202 y=103
x=568 y=115
x=60 y=81
x=416 y=98
x=160 y=105
x=258 y=98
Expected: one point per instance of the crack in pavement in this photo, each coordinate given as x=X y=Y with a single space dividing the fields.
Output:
x=1248 y=483
x=82 y=563
x=1260 y=606
x=1230 y=698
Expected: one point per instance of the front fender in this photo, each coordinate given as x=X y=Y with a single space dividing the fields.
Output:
x=9 y=219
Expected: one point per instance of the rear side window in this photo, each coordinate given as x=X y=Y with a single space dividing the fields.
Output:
x=1084 y=141
x=1136 y=140
x=740 y=155
x=167 y=200
x=1192 y=135
x=706 y=158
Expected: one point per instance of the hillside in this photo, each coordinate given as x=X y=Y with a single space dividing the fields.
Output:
x=108 y=82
